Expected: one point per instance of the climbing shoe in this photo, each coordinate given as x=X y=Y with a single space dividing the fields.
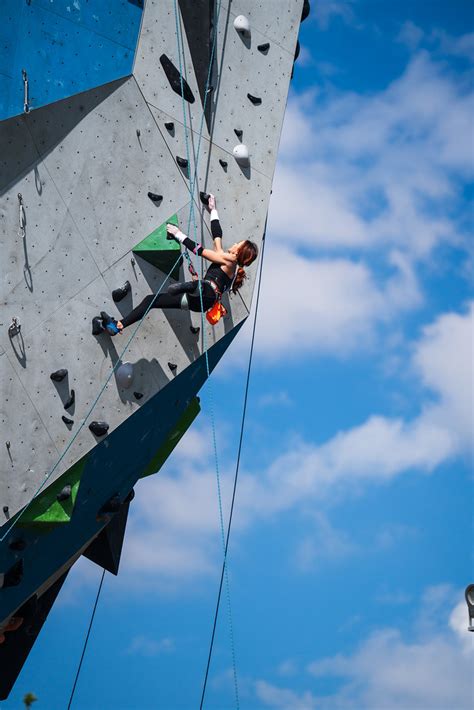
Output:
x=97 y=327
x=182 y=287
x=109 y=323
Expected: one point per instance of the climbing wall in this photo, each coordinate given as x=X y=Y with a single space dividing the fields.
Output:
x=86 y=184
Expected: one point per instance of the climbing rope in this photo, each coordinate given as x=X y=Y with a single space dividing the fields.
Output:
x=180 y=44
x=237 y=467
x=84 y=647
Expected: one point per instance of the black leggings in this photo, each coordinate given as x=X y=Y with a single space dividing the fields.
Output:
x=167 y=300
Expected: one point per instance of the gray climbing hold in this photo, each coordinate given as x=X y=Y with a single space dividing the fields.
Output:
x=119 y=293
x=124 y=375
x=242 y=25
x=67 y=421
x=64 y=493
x=172 y=366
x=70 y=401
x=241 y=154
x=99 y=428
x=59 y=375
x=154 y=197
x=182 y=162
x=263 y=48
x=256 y=100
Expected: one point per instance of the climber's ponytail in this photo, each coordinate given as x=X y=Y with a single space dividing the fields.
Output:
x=248 y=252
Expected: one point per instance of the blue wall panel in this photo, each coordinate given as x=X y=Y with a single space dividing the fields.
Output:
x=66 y=46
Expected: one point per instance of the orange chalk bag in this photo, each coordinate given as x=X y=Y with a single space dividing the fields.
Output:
x=215 y=313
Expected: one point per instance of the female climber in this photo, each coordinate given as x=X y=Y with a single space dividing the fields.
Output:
x=226 y=272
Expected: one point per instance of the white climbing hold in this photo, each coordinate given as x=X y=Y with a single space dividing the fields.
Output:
x=242 y=25
x=124 y=375
x=241 y=154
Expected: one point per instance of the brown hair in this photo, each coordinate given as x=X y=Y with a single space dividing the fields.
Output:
x=247 y=253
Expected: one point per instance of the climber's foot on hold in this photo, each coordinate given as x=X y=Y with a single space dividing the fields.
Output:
x=110 y=324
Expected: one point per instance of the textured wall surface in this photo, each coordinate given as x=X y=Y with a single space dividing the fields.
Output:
x=83 y=166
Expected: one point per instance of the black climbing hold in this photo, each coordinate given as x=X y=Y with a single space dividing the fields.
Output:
x=64 y=493
x=5 y=509
x=17 y=544
x=71 y=400
x=154 y=197
x=138 y=133
x=67 y=421
x=12 y=577
x=119 y=293
x=238 y=132
x=182 y=162
x=254 y=99
x=178 y=83
x=169 y=125
x=138 y=395
x=59 y=375
x=204 y=197
x=297 y=50
x=99 y=428
x=264 y=47
x=306 y=10
x=112 y=505
x=194 y=329
x=223 y=163
x=97 y=327
x=172 y=366
x=130 y=496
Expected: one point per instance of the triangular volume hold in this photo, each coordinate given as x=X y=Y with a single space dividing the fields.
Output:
x=198 y=20
x=160 y=251
x=106 y=549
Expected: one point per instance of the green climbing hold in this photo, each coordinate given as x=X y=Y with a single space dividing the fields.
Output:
x=160 y=251
x=50 y=507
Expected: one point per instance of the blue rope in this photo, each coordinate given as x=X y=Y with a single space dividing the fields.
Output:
x=203 y=330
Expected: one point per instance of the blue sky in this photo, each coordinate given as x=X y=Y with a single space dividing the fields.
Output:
x=351 y=544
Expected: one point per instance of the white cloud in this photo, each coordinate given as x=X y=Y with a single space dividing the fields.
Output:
x=326 y=11
x=430 y=666
x=144 y=646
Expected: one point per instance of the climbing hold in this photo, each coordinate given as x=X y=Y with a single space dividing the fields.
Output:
x=5 y=510
x=169 y=125
x=124 y=375
x=241 y=154
x=130 y=496
x=239 y=133
x=154 y=197
x=12 y=577
x=97 y=327
x=59 y=375
x=17 y=544
x=67 y=421
x=194 y=329
x=306 y=10
x=132 y=261
x=26 y=100
x=71 y=400
x=254 y=99
x=14 y=327
x=242 y=25
x=182 y=162
x=297 y=50
x=64 y=493
x=138 y=395
x=172 y=366
x=224 y=163
x=111 y=506
x=99 y=428
x=177 y=82
x=204 y=197
x=138 y=133
x=263 y=48
x=119 y=293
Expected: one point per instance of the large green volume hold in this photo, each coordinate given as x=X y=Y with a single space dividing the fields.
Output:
x=160 y=251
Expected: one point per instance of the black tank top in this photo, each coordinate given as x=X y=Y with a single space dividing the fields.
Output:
x=220 y=278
